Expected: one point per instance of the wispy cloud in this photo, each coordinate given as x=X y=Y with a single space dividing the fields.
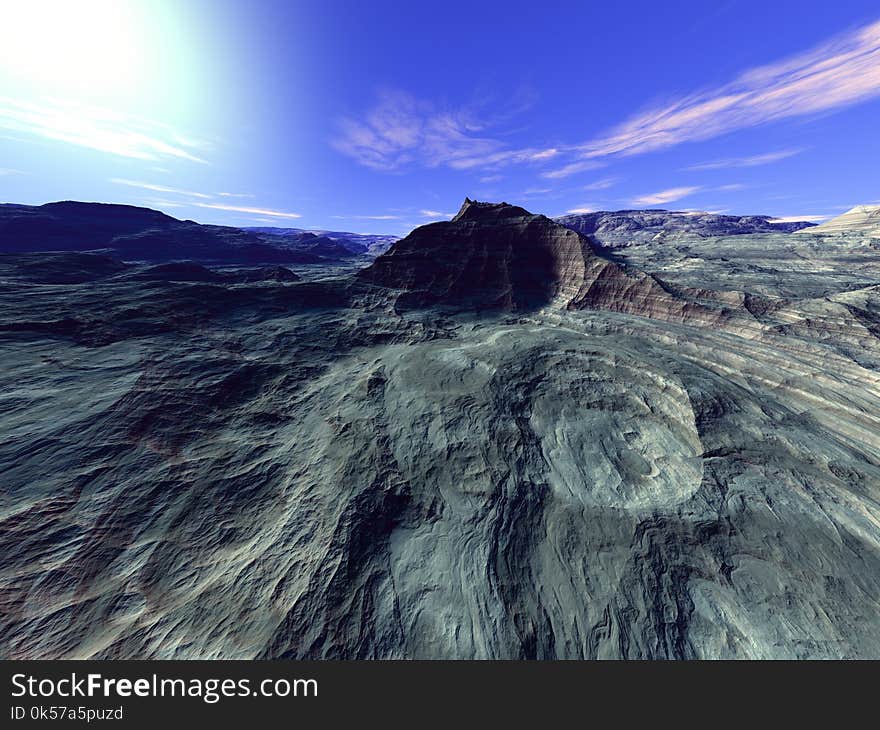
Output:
x=491 y=178
x=665 y=196
x=435 y=214
x=572 y=168
x=602 y=184
x=98 y=129
x=367 y=217
x=246 y=209
x=751 y=161
x=401 y=130
x=159 y=188
x=580 y=211
x=9 y=171
x=799 y=218
x=843 y=71
x=236 y=195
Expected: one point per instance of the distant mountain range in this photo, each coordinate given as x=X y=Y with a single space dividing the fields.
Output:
x=140 y=234
x=366 y=243
x=130 y=233
x=629 y=227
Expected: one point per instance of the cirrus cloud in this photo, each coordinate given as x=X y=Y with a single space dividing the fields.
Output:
x=98 y=129
x=665 y=196
x=269 y=212
x=840 y=72
x=401 y=130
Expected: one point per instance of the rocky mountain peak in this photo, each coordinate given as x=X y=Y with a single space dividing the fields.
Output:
x=500 y=256
x=473 y=210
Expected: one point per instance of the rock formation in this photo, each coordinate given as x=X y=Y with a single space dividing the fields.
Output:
x=862 y=219
x=140 y=234
x=629 y=227
x=497 y=441
x=501 y=256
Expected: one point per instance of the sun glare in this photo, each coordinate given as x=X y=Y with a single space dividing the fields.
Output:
x=111 y=75
x=90 y=49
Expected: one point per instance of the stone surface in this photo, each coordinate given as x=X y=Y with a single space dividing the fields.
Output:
x=628 y=227
x=139 y=234
x=862 y=219
x=669 y=453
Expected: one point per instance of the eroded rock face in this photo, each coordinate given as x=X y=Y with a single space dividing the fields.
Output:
x=495 y=255
x=673 y=459
x=488 y=255
x=622 y=228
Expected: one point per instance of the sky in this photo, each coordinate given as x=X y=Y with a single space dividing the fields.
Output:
x=378 y=117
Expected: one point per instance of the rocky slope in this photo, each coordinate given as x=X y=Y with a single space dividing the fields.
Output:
x=629 y=227
x=131 y=233
x=310 y=469
x=500 y=256
x=862 y=219
x=356 y=243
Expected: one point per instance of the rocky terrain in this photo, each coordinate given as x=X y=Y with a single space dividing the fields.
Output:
x=499 y=439
x=358 y=243
x=862 y=220
x=130 y=233
x=629 y=227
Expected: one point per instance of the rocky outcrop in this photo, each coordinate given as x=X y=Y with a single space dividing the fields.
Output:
x=500 y=256
x=488 y=255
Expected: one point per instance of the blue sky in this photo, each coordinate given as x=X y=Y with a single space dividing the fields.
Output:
x=381 y=116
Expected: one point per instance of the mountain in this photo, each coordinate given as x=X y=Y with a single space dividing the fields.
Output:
x=629 y=227
x=500 y=440
x=500 y=256
x=487 y=255
x=132 y=233
x=357 y=243
x=863 y=220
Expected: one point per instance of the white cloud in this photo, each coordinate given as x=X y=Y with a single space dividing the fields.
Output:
x=9 y=171
x=491 y=178
x=602 y=184
x=545 y=154
x=799 y=218
x=572 y=169
x=752 y=161
x=245 y=209
x=435 y=214
x=577 y=211
x=159 y=188
x=236 y=195
x=504 y=157
x=838 y=73
x=367 y=217
x=401 y=130
x=98 y=129
x=665 y=196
